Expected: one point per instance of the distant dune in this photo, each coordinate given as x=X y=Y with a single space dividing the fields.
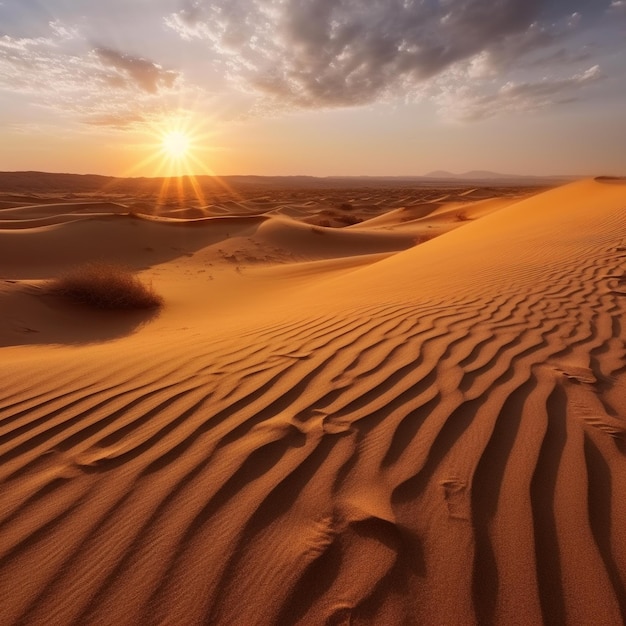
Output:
x=71 y=184
x=359 y=404
x=486 y=175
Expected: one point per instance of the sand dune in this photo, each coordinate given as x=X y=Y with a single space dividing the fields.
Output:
x=357 y=425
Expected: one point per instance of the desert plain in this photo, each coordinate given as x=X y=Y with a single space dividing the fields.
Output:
x=360 y=403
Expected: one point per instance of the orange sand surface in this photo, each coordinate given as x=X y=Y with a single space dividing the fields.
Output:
x=361 y=406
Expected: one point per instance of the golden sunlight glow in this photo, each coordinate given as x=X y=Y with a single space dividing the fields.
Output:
x=175 y=144
x=175 y=147
x=176 y=150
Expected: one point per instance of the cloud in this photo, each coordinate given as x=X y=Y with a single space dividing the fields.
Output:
x=144 y=74
x=466 y=104
x=63 y=31
x=63 y=72
x=528 y=47
x=326 y=53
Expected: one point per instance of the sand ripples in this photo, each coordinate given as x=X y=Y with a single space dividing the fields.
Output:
x=412 y=461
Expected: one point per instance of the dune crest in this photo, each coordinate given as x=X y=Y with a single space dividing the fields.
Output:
x=416 y=418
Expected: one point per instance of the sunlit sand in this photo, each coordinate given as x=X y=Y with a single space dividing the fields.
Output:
x=365 y=405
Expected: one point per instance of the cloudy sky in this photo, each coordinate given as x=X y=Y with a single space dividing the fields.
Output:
x=321 y=87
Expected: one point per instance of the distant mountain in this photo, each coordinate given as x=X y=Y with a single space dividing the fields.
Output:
x=441 y=174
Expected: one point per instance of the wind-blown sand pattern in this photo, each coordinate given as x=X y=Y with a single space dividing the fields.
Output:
x=415 y=418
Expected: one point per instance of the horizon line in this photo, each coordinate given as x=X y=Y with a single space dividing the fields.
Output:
x=435 y=175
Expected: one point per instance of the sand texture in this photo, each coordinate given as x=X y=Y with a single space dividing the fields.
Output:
x=367 y=407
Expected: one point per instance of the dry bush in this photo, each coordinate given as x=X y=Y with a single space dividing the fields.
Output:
x=348 y=220
x=106 y=286
x=463 y=217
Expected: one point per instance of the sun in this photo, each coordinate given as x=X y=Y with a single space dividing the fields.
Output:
x=176 y=147
x=175 y=144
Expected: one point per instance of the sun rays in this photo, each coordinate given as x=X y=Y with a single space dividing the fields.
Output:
x=178 y=149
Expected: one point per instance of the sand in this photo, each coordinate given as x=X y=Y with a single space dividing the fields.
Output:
x=372 y=407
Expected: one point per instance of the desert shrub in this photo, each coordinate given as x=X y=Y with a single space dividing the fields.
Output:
x=348 y=220
x=106 y=286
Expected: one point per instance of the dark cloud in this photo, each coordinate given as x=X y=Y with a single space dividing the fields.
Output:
x=345 y=52
x=143 y=73
x=537 y=38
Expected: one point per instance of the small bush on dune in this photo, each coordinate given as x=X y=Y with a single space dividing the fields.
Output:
x=106 y=286
x=348 y=220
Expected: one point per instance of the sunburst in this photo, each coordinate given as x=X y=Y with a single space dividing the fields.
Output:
x=176 y=144
x=177 y=149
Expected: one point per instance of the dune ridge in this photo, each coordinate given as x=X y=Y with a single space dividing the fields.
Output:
x=368 y=425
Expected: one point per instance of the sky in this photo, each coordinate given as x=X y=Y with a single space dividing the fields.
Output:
x=313 y=87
